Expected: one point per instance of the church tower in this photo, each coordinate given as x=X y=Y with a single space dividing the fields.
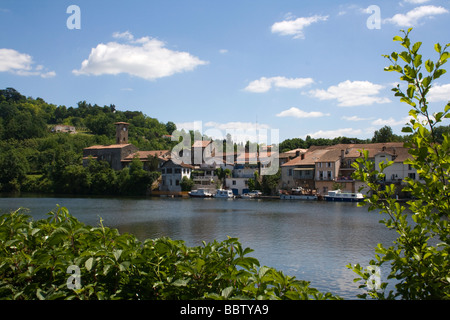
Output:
x=121 y=132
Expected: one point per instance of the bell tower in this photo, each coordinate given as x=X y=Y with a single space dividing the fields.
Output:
x=121 y=132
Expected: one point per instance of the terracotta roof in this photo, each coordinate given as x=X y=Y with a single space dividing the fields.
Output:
x=143 y=155
x=112 y=146
x=201 y=143
x=333 y=153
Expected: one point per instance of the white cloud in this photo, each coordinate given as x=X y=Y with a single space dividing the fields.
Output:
x=330 y=134
x=439 y=93
x=295 y=27
x=411 y=18
x=391 y=122
x=265 y=84
x=21 y=64
x=239 y=131
x=297 y=113
x=354 y=118
x=146 y=58
x=123 y=35
x=236 y=125
x=352 y=93
x=223 y=51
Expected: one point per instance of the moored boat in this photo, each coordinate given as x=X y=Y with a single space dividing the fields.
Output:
x=338 y=195
x=299 y=194
x=200 y=193
x=224 y=194
x=298 y=197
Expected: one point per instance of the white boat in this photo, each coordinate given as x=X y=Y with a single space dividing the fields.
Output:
x=298 y=197
x=251 y=194
x=338 y=195
x=200 y=193
x=224 y=194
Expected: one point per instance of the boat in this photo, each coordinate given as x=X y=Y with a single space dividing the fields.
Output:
x=224 y=194
x=251 y=194
x=338 y=195
x=299 y=194
x=298 y=197
x=200 y=193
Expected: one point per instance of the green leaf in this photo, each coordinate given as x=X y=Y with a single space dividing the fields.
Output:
x=429 y=65
x=418 y=60
x=438 y=48
x=438 y=73
x=180 y=282
x=416 y=47
x=117 y=254
x=405 y=56
x=88 y=264
x=397 y=38
x=226 y=292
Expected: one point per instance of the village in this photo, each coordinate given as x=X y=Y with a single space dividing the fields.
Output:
x=316 y=171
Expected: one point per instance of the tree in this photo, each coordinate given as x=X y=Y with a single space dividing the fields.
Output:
x=186 y=184
x=170 y=127
x=419 y=257
x=222 y=174
x=385 y=134
x=13 y=170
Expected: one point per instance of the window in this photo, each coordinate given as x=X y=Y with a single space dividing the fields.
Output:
x=177 y=182
x=329 y=175
x=169 y=170
x=234 y=182
x=290 y=172
x=163 y=171
x=177 y=170
x=412 y=175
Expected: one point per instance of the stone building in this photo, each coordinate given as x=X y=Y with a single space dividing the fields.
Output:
x=115 y=153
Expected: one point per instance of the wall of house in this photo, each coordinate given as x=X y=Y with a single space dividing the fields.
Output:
x=113 y=156
x=237 y=185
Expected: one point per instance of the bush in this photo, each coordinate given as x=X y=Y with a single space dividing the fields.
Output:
x=419 y=257
x=62 y=258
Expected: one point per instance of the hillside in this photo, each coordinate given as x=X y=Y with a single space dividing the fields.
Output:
x=34 y=158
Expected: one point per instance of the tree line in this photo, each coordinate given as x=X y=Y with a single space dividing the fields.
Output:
x=35 y=159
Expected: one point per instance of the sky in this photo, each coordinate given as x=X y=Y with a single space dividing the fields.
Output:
x=283 y=69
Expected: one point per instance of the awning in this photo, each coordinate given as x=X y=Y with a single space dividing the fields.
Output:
x=303 y=169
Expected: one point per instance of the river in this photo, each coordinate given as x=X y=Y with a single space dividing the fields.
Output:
x=311 y=240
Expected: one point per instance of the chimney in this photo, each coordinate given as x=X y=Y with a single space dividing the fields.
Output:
x=121 y=132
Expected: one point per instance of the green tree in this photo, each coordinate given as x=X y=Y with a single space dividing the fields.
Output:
x=270 y=183
x=13 y=169
x=419 y=257
x=186 y=184
x=384 y=134
x=222 y=174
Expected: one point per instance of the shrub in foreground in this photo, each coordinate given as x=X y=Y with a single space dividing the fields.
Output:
x=63 y=258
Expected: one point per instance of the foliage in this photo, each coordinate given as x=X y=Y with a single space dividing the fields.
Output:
x=222 y=174
x=186 y=184
x=270 y=183
x=35 y=159
x=419 y=258
x=385 y=134
x=62 y=258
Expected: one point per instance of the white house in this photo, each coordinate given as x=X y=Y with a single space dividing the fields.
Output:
x=398 y=170
x=172 y=174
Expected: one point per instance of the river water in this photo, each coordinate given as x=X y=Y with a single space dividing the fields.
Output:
x=311 y=240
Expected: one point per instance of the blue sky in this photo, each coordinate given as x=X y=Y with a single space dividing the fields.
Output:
x=299 y=67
